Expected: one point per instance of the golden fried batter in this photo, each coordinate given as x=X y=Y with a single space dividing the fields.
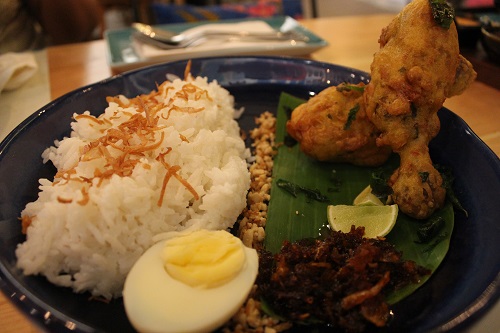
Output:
x=417 y=67
x=332 y=126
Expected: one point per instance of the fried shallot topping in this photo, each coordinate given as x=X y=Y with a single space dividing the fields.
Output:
x=122 y=146
x=338 y=280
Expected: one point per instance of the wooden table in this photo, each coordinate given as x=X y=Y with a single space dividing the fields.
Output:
x=352 y=43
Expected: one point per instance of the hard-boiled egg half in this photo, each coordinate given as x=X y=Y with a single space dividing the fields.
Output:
x=192 y=282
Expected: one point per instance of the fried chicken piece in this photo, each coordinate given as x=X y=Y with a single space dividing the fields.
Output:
x=417 y=67
x=332 y=126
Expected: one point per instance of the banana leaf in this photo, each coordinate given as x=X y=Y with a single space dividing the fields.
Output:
x=297 y=216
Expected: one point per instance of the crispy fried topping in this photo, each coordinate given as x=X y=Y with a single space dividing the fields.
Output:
x=122 y=147
x=25 y=223
x=338 y=280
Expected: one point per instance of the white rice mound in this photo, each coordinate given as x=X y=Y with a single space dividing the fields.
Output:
x=89 y=226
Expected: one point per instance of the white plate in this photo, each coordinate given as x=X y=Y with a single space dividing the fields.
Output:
x=124 y=53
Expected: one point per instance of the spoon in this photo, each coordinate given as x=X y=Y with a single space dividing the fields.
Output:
x=180 y=40
x=162 y=45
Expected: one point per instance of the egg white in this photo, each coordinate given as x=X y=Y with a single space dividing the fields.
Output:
x=155 y=302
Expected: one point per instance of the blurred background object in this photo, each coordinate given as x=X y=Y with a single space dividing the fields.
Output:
x=173 y=13
x=17 y=28
x=120 y=13
x=491 y=42
x=31 y=24
x=473 y=19
x=67 y=21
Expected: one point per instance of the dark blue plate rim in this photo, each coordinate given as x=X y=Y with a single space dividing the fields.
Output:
x=51 y=319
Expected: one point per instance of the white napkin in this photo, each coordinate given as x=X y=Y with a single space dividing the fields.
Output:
x=16 y=105
x=216 y=46
x=16 y=69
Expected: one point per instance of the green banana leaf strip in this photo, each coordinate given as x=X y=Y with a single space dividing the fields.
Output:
x=296 y=217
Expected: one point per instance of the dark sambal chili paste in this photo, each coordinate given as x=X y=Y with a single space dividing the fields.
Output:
x=339 y=280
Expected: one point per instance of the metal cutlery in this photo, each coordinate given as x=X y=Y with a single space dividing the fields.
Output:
x=170 y=40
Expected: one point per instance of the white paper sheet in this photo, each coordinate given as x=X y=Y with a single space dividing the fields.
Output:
x=217 y=46
x=18 y=104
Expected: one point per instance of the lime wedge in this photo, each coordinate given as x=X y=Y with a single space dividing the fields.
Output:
x=366 y=197
x=377 y=220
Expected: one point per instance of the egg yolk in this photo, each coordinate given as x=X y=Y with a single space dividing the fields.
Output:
x=204 y=259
